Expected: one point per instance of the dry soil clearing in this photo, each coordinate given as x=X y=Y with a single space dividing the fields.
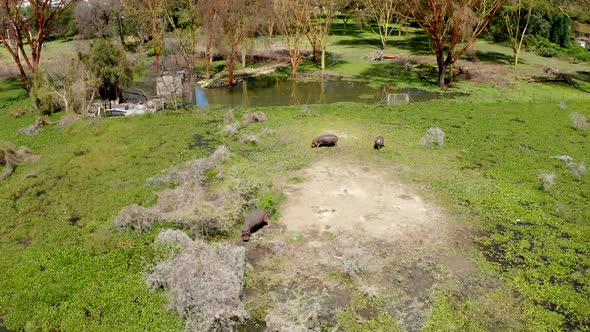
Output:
x=353 y=228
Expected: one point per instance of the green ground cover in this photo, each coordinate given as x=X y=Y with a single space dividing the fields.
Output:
x=64 y=267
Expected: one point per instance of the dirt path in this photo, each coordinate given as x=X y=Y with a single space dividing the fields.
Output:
x=353 y=228
x=362 y=199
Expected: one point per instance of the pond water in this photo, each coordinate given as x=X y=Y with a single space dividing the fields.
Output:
x=261 y=92
x=280 y=92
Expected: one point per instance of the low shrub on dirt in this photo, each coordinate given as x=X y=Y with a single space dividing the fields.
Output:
x=300 y=312
x=433 y=136
x=205 y=283
x=579 y=121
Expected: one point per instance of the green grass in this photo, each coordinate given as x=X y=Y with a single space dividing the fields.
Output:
x=487 y=173
x=64 y=267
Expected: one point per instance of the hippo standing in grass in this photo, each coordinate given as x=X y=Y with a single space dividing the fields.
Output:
x=324 y=140
x=254 y=221
x=379 y=143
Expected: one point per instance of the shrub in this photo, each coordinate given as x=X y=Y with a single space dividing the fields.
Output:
x=250 y=138
x=135 y=217
x=579 y=121
x=231 y=129
x=433 y=136
x=205 y=283
x=254 y=117
x=174 y=238
x=547 y=180
x=11 y=157
x=299 y=313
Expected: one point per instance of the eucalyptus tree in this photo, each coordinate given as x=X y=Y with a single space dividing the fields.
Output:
x=452 y=25
x=516 y=15
x=381 y=15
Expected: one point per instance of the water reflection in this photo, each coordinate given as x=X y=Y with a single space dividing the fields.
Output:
x=278 y=92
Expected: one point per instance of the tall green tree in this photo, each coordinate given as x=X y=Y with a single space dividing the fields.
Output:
x=561 y=29
x=108 y=61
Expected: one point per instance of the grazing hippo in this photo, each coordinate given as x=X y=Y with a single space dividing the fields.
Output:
x=254 y=221
x=324 y=140
x=379 y=143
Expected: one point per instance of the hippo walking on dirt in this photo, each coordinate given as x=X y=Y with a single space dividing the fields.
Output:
x=254 y=221
x=324 y=140
x=379 y=143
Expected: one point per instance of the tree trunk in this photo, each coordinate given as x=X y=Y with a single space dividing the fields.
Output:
x=294 y=64
x=440 y=62
x=120 y=30
x=451 y=67
x=231 y=66
x=345 y=22
x=208 y=58
x=323 y=60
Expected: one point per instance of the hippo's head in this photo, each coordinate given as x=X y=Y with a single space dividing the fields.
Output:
x=246 y=236
x=314 y=143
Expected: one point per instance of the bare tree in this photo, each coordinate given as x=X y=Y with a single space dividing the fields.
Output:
x=322 y=17
x=517 y=15
x=452 y=25
x=183 y=16
x=151 y=15
x=239 y=20
x=383 y=13
x=210 y=18
x=99 y=19
x=74 y=85
x=293 y=22
x=24 y=26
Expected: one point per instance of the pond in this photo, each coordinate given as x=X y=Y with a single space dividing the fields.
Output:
x=260 y=92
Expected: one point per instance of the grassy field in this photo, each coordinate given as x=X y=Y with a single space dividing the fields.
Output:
x=64 y=267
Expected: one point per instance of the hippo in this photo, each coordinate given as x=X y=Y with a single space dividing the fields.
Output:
x=254 y=221
x=379 y=143
x=324 y=140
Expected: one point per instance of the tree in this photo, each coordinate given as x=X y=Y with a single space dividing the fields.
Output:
x=183 y=16
x=382 y=12
x=24 y=26
x=452 y=25
x=517 y=16
x=151 y=16
x=210 y=18
x=293 y=21
x=239 y=20
x=108 y=61
x=100 y=19
x=561 y=29
x=322 y=17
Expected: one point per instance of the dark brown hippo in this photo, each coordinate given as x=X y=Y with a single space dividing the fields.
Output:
x=324 y=140
x=379 y=143
x=254 y=221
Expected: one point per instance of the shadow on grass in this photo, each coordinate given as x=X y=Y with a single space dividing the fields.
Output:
x=495 y=57
x=340 y=29
x=582 y=76
x=398 y=72
x=11 y=91
x=361 y=42
x=419 y=44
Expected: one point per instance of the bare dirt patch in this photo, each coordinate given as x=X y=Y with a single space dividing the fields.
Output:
x=366 y=200
x=352 y=229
